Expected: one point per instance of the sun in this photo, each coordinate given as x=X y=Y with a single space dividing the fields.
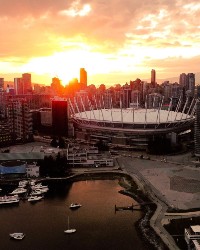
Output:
x=66 y=65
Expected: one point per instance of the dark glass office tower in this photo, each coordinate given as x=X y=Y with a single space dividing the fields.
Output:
x=60 y=117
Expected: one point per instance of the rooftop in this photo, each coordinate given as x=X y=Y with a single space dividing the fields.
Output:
x=138 y=116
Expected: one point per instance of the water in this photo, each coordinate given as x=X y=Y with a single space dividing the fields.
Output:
x=98 y=225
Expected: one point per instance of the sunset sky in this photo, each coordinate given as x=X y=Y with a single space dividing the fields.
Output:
x=114 y=40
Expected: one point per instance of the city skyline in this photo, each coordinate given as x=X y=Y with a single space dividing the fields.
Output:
x=115 y=41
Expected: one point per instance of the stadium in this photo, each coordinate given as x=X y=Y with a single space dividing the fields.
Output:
x=133 y=127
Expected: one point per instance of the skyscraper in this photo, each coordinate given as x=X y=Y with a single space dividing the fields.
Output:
x=60 y=116
x=183 y=80
x=83 y=78
x=26 y=79
x=1 y=84
x=191 y=83
x=56 y=86
x=19 y=118
x=18 y=86
x=187 y=81
x=153 y=77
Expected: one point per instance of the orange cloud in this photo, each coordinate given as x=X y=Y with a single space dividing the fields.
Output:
x=127 y=36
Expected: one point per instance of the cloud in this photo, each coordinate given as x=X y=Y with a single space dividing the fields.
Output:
x=140 y=29
x=76 y=10
x=173 y=65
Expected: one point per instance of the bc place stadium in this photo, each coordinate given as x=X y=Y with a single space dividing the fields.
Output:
x=132 y=127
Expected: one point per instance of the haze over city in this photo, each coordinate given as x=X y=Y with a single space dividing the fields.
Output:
x=116 y=41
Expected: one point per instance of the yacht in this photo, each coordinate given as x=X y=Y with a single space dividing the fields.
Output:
x=34 y=198
x=23 y=184
x=75 y=205
x=44 y=189
x=17 y=236
x=32 y=182
x=39 y=185
x=8 y=199
x=41 y=190
x=192 y=233
x=19 y=190
x=35 y=192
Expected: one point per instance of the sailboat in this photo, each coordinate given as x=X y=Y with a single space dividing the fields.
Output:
x=70 y=230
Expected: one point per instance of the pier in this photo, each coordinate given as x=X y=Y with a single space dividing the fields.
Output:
x=131 y=207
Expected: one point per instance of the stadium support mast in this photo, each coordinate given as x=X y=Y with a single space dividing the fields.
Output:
x=145 y=112
x=71 y=106
x=160 y=106
x=154 y=98
x=83 y=107
x=121 y=112
x=197 y=130
x=80 y=113
x=178 y=104
x=169 y=109
x=183 y=111
x=194 y=108
x=97 y=106
x=190 y=108
x=111 y=107
x=91 y=107
x=103 y=102
x=101 y=110
x=177 y=107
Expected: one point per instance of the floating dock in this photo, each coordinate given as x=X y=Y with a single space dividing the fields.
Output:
x=131 y=207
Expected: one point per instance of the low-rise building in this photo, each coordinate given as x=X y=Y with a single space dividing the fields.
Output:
x=32 y=170
x=88 y=157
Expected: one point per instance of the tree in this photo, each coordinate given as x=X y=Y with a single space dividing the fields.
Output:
x=54 y=142
x=61 y=143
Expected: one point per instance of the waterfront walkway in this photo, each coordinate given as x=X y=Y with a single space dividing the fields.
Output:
x=170 y=185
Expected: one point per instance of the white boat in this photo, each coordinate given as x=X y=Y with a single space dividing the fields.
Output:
x=75 y=205
x=41 y=190
x=35 y=192
x=45 y=189
x=39 y=185
x=69 y=230
x=34 y=198
x=17 y=236
x=19 y=191
x=8 y=199
x=23 y=184
x=32 y=182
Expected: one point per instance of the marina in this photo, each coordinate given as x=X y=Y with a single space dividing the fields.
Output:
x=94 y=195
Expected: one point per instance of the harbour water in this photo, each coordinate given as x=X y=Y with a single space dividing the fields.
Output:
x=98 y=226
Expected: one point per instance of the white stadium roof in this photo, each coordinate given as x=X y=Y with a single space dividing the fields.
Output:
x=130 y=116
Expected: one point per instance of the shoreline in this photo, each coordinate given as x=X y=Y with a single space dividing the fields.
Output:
x=131 y=188
x=135 y=171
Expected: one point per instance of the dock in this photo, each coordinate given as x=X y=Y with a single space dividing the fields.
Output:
x=131 y=207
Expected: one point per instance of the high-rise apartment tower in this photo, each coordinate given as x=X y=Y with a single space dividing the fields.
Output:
x=26 y=78
x=83 y=78
x=153 y=77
